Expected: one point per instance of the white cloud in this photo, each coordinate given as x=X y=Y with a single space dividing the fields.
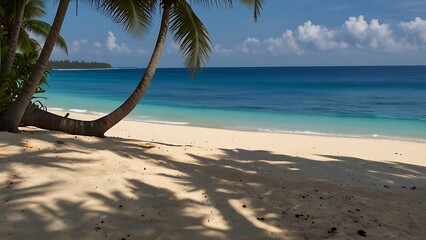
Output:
x=78 y=44
x=416 y=29
x=251 y=45
x=374 y=35
x=221 y=50
x=284 y=44
x=356 y=27
x=113 y=46
x=320 y=37
x=97 y=44
x=355 y=34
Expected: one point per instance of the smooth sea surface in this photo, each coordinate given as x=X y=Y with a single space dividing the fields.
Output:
x=384 y=102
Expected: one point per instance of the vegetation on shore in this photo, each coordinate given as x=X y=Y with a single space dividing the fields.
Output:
x=66 y=64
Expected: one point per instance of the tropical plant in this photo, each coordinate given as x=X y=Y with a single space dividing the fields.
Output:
x=16 y=18
x=33 y=10
x=13 y=33
x=136 y=16
x=12 y=86
x=13 y=115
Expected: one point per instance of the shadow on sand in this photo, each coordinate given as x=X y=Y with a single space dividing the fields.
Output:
x=256 y=194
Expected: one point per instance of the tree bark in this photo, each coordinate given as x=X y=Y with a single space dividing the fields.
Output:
x=15 y=111
x=50 y=121
x=13 y=39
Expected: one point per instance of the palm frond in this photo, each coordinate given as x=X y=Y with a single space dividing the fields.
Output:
x=191 y=34
x=24 y=42
x=257 y=6
x=34 y=9
x=42 y=29
x=35 y=45
x=134 y=16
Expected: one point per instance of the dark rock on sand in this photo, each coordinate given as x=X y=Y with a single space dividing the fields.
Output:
x=362 y=233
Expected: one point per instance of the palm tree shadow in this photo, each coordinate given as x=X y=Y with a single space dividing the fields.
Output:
x=255 y=194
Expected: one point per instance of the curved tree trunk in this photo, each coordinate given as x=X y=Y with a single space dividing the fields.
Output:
x=15 y=111
x=46 y=120
x=13 y=39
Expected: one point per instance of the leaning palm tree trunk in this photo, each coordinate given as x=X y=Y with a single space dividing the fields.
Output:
x=13 y=39
x=42 y=119
x=16 y=110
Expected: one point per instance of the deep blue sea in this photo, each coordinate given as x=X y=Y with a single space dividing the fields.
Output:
x=384 y=102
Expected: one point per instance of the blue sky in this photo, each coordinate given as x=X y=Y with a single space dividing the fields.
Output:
x=288 y=33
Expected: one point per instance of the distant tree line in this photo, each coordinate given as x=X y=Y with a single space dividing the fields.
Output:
x=65 y=64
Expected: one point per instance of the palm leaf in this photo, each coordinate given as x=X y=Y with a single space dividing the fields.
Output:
x=34 y=9
x=191 y=34
x=134 y=16
x=42 y=29
x=257 y=6
x=35 y=45
x=24 y=41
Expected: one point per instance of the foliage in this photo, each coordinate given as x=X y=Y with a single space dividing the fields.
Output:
x=13 y=85
x=65 y=64
x=33 y=10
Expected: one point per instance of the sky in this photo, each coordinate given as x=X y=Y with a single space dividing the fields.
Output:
x=287 y=33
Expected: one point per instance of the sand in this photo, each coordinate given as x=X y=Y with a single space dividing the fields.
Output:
x=152 y=181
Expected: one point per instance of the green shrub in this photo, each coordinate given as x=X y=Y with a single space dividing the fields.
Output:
x=12 y=86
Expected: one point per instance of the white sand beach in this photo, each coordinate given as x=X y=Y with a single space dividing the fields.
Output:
x=152 y=181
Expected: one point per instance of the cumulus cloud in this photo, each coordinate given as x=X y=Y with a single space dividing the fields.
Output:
x=320 y=37
x=113 y=46
x=251 y=45
x=355 y=34
x=77 y=45
x=284 y=44
x=97 y=44
x=415 y=30
x=374 y=36
x=221 y=50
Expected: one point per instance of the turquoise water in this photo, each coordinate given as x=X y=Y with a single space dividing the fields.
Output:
x=384 y=102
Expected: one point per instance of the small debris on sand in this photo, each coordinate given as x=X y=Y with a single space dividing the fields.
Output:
x=362 y=233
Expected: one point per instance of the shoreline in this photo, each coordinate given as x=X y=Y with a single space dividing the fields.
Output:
x=128 y=129
x=94 y=115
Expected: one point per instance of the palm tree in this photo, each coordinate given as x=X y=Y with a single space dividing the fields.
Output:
x=13 y=38
x=17 y=18
x=188 y=31
x=13 y=115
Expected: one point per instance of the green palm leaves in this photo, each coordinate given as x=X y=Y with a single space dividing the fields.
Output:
x=33 y=9
x=257 y=6
x=40 y=28
x=134 y=16
x=188 y=31
x=192 y=36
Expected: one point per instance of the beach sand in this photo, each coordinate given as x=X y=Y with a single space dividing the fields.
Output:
x=152 y=181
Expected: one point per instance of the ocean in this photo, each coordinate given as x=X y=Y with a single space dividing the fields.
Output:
x=378 y=102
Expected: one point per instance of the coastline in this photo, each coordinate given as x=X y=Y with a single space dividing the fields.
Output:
x=94 y=115
x=156 y=181
x=276 y=141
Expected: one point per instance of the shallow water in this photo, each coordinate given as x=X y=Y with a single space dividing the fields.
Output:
x=354 y=101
